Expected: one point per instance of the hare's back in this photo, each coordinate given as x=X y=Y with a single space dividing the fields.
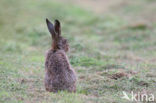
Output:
x=56 y=61
x=59 y=70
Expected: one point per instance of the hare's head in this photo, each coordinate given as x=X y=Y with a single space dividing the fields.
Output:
x=58 y=41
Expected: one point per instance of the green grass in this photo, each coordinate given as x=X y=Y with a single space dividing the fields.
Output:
x=101 y=46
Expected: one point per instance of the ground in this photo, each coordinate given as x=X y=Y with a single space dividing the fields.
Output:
x=112 y=49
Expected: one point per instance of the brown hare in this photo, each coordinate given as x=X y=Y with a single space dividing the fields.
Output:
x=58 y=72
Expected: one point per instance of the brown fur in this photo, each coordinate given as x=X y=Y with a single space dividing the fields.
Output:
x=58 y=72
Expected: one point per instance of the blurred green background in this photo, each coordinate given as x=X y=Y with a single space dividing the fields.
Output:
x=112 y=49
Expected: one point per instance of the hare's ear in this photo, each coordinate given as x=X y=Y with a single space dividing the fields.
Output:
x=51 y=28
x=57 y=26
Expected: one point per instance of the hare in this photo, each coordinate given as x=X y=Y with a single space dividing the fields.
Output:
x=58 y=72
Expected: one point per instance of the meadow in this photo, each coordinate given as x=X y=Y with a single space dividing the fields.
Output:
x=111 y=51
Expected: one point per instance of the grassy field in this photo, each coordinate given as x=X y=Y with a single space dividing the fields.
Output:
x=111 y=52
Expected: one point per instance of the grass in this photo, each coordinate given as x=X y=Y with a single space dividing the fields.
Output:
x=101 y=46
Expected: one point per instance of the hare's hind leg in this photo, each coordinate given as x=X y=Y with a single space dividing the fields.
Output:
x=72 y=88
